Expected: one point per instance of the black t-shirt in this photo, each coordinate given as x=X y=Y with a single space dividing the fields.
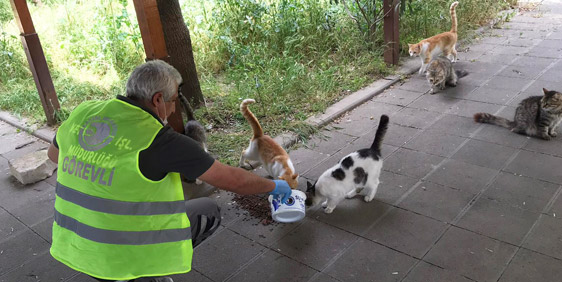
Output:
x=169 y=152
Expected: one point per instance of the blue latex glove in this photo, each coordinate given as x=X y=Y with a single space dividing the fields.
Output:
x=281 y=188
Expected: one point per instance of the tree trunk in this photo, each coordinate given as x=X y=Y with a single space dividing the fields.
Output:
x=178 y=43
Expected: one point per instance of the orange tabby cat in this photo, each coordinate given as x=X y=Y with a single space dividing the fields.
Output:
x=437 y=44
x=265 y=150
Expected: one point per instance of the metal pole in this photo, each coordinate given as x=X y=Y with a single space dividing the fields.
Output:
x=36 y=60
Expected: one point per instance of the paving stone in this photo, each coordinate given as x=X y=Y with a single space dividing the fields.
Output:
x=411 y=163
x=434 y=103
x=550 y=43
x=463 y=176
x=467 y=108
x=492 y=95
x=494 y=39
x=546 y=236
x=552 y=147
x=392 y=186
x=397 y=97
x=192 y=276
x=12 y=196
x=43 y=267
x=322 y=277
x=550 y=76
x=329 y=141
x=556 y=209
x=503 y=222
x=525 y=61
x=416 y=83
x=472 y=255
x=461 y=91
x=436 y=201
x=224 y=253
x=525 y=72
x=32 y=167
x=522 y=42
x=484 y=154
x=425 y=272
x=537 y=86
x=272 y=266
x=455 y=125
x=415 y=118
x=406 y=232
x=266 y=235
x=360 y=264
x=21 y=151
x=501 y=136
x=81 y=277
x=509 y=50
x=353 y=215
x=20 y=248
x=531 y=266
x=12 y=141
x=356 y=126
x=542 y=52
x=537 y=165
x=44 y=229
x=472 y=79
x=303 y=159
x=397 y=135
x=483 y=67
x=373 y=110
x=521 y=192
x=436 y=144
x=508 y=83
x=36 y=210
x=307 y=244
x=9 y=225
x=317 y=170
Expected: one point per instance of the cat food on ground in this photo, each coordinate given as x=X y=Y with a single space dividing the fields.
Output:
x=256 y=206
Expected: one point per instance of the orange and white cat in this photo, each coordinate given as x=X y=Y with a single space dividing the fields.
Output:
x=265 y=150
x=437 y=44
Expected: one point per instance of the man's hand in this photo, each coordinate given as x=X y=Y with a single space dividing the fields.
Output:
x=281 y=188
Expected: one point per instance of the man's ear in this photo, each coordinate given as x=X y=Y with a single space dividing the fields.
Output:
x=157 y=98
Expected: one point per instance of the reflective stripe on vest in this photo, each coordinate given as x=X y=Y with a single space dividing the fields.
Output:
x=118 y=207
x=121 y=237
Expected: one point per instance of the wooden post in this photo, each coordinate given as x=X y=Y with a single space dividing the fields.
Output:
x=36 y=60
x=155 y=46
x=391 y=31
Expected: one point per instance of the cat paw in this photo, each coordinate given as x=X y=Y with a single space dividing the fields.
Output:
x=553 y=134
x=328 y=210
x=369 y=198
x=198 y=182
x=546 y=137
x=324 y=204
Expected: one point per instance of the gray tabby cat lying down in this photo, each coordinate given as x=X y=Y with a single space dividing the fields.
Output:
x=358 y=170
x=537 y=116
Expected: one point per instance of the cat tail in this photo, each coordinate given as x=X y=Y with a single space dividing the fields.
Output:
x=461 y=73
x=251 y=118
x=186 y=107
x=379 y=136
x=492 y=119
x=454 y=17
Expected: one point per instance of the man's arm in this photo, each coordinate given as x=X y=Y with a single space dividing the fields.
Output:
x=53 y=153
x=236 y=180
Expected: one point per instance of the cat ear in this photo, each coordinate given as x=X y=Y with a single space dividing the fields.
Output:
x=309 y=186
x=545 y=90
x=410 y=45
x=295 y=176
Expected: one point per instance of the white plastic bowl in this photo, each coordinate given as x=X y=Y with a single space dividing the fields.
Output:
x=293 y=210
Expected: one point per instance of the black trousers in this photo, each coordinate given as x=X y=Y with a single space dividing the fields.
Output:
x=205 y=217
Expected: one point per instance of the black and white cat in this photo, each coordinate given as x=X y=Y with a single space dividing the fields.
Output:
x=358 y=170
x=193 y=128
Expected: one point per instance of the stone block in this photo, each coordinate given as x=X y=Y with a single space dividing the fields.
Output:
x=32 y=167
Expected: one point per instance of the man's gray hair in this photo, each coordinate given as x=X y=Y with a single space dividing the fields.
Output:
x=152 y=77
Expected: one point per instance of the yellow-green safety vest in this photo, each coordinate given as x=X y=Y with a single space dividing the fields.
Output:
x=111 y=222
